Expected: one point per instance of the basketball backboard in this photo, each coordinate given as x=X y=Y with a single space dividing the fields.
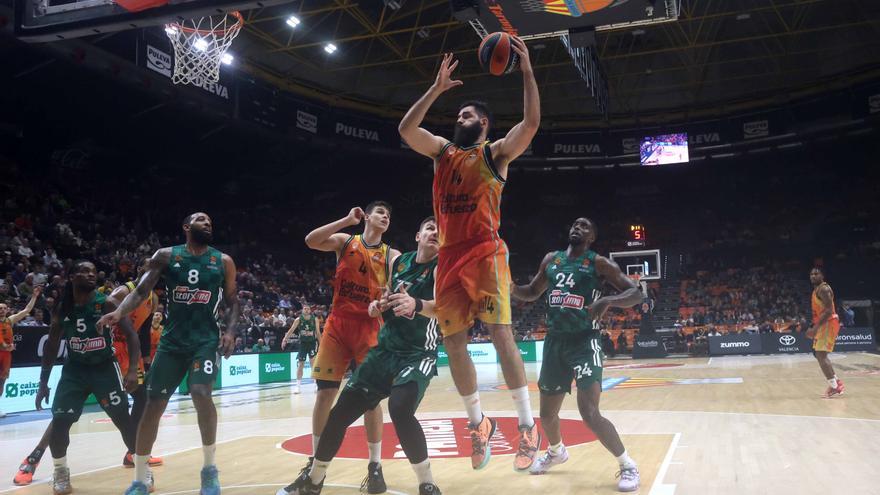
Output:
x=52 y=20
x=645 y=264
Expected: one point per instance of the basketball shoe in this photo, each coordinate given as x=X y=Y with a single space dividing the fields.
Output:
x=303 y=485
x=548 y=460
x=429 y=489
x=480 y=435
x=529 y=441
x=25 y=474
x=833 y=392
x=629 y=479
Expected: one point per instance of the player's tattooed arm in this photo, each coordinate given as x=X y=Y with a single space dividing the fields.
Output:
x=155 y=268
x=518 y=139
x=230 y=296
x=536 y=287
x=629 y=295
x=827 y=297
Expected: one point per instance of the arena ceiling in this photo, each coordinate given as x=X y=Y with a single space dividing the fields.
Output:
x=720 y=55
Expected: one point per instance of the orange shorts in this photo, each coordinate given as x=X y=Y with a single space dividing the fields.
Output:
x=473 y=282
x=826 y=335
x=120 y=348
x=343 y=340
x=5 y=365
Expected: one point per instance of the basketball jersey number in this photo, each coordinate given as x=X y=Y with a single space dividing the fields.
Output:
x=363 y=268
x=562 y=280
x=80 y=325
x=193 y=277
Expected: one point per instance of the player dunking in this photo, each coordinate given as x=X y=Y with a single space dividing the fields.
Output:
x=197 y=277
x=309 y=337
x=7 y=344
x=91 y=367
x=362 y=266
x=824 y=330
x=399 y=368
x=572 y=348
x=473 y=277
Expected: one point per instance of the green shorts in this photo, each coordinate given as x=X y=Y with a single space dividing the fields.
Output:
x=571 y=357
x=79 y=380
x=307 y=350
x=170 y=367
x=382 y=370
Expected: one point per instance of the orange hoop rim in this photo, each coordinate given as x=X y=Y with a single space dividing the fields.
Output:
x=239 y=21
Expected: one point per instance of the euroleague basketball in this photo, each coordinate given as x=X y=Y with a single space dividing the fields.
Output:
x=497 y=55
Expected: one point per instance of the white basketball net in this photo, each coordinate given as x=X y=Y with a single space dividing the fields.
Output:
x=199 y=46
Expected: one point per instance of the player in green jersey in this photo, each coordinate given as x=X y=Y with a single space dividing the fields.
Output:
x=91 y=367
x=572 y=348
x=309 y=337
x=197 y=278
x=400 y=367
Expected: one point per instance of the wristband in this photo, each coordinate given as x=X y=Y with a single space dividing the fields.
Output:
x=419 y=305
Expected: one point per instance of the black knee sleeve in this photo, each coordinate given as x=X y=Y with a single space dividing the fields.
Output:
x=402 y=406
x=325 y=384
x=350 y=406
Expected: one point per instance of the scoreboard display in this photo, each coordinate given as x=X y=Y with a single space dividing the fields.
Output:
x=637 y=237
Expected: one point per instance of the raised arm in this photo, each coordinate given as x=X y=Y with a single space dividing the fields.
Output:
x=157 y=265
x=290 y=331
x=518 y=139
x=534 y=289
x=230 y=298
x=629 y=295
x=17 y=317
x=326 y=238
x=418 y=138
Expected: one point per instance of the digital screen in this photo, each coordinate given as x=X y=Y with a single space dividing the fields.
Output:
x=637 y=236
x=665 y=149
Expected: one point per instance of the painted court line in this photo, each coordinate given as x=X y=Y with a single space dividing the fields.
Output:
x=660 y=488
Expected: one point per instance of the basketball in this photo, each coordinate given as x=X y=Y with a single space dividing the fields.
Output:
x=497 y=55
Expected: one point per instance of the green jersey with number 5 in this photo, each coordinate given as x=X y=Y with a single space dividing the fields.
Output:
x=85 y=344
x=574 y=286
x=194 y=288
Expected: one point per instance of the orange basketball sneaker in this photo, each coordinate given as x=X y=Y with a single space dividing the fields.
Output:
x=25 y=474
x=480 y=436
x=834 y=392
x=128 y=461
x=529 y=442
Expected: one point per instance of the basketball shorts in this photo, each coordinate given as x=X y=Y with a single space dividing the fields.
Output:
x=307 y=350
x=120 y=348
x=79 y=380
x=826 y=335
x=343 y=340
x=382 y=370
x=170 y=367
x=473 y=282
x=567 y=358
x=5 y=365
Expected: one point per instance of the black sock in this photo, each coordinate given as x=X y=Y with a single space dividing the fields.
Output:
x=35 y=456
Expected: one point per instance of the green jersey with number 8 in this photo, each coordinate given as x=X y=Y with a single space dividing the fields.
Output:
x=574 y=286
x=194 y=288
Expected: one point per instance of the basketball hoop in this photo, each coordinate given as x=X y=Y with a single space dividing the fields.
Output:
x=200 y=44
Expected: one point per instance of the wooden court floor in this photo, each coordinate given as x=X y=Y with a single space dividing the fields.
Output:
x=732 y=425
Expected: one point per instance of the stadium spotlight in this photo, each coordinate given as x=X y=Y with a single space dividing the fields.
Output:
x=200 y=44
x=293 y=21
x=227 y=59
x=330 y=48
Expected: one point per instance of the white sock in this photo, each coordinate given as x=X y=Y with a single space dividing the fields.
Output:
x=140 y=467
x=523 y=406
x=315 y=440
x=833 y=381
x=375 y=451
x=472 y=406
x=60 y=462
x=209 y=451
x=423 y=471
x=318 y=471
x=556 y=449
x=625 y=461
x=298 y=381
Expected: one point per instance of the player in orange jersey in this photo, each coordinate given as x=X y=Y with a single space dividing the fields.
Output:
x=824 y=330
x=156 y=328
x=141 y=318
x=7 y=344
x=362 y=270
x=473 y=277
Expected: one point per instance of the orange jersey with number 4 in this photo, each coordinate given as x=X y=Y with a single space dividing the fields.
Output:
x=819 y=306
x=467 y=194
x=361 y=273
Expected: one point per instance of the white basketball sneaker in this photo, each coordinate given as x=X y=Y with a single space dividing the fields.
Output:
x=548 y=460
x=629 y=479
